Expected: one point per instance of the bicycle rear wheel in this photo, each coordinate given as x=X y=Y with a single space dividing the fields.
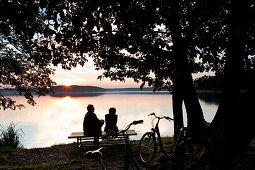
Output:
x=168 y=147
x=147 y=147
x=184 y=153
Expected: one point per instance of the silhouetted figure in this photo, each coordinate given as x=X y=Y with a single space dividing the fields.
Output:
x=92 y=125
x=111 y=121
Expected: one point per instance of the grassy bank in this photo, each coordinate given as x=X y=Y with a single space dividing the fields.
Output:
x=66 y=156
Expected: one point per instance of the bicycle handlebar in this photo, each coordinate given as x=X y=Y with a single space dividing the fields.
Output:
x=162 y=117
x=152 y=114
x=137 y=122
x=168 y=118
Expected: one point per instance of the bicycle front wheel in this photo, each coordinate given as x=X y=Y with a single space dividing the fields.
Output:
x=147 y=147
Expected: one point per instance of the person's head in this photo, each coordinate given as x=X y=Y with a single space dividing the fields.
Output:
x=112 y=110
x=90 y=108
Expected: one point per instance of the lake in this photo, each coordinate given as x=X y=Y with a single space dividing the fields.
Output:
x=52 y=119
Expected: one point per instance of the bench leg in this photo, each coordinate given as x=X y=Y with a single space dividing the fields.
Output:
x=78 y=143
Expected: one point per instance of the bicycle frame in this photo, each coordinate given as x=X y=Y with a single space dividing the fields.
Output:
x=129 y=155
x=155 y=130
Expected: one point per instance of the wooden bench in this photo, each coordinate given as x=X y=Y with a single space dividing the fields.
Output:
x=80 y=137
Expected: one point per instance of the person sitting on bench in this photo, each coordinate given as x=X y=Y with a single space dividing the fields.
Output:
x=111 y=121
x=92 y=125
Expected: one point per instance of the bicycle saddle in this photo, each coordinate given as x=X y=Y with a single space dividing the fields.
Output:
x=95 y=154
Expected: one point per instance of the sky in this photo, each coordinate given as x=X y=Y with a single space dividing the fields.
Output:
x=87 y=76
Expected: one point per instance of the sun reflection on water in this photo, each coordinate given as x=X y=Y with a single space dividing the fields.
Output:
x=66 y=100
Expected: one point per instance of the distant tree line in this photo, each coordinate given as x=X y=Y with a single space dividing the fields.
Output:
x=215 y=82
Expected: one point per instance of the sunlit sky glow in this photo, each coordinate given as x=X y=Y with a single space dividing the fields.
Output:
x=87 y=76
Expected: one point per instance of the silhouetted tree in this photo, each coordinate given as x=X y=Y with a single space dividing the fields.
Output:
x=159 y=42
x=121 y=43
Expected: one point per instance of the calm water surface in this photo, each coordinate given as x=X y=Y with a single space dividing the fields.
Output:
x=54 y=118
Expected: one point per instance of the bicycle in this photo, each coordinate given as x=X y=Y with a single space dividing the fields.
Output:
x=148 y=143
x=130 y=158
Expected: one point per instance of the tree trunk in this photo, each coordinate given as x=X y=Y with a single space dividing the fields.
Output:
x=183 y=84
x=177 y=109
x=232 y=128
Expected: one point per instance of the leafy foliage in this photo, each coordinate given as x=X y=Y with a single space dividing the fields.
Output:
x=134 y=39
x=25 y=76
x=131 y=39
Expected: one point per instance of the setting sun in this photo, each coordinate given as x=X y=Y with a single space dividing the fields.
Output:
x=67 y=84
